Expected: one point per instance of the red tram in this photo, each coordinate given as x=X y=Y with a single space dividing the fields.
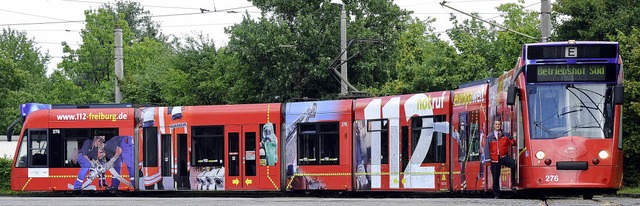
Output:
x=562 y=103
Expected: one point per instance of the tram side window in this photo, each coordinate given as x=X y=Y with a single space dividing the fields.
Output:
x=21 y=161
x=474 y=135
x=150 y=139
x=437 y=147
x=318 y=143
x=207 y=146
x=38 y=148
x=381 y=127
x=64 y=144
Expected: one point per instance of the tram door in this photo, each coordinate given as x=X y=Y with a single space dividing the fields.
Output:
x=182 y=173
x=165 y=161
x=242 y=157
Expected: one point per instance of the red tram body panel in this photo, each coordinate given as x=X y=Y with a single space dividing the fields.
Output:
x=225 y=147
x=318 y=145
x=469 y=133
x=48 y=160
x=402 y=142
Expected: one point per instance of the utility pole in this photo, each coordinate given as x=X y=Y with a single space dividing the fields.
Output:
x=118 y=63
x=343 y=49
x=545 y=20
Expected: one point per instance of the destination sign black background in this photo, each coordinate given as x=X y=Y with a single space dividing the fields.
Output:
x=608 y=76
x=584 y=51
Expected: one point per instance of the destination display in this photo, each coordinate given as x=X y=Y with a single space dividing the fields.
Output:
x=572 y=73
x=572 y=51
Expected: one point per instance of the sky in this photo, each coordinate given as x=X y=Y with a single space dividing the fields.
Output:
x=37 y=17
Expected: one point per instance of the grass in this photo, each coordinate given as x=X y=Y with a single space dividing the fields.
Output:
x=629 y=190
x=7 y=192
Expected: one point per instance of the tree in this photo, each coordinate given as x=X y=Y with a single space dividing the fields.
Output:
x=91 y=67
x=423 y=61
x=630 y=52
x=593 y=20
x=200 y=78
x=138 y=19
x=22 y=73
x=287 y=52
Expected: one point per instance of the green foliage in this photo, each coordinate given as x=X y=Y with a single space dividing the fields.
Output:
x=22 y=73
x=630 y=53
x=593 y=20
x=138 y=19
x=5 y=174
x=424 y=62
x=91 y=67
x=287 y=53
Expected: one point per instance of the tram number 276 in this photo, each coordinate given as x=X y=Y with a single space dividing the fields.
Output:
x=551 y=178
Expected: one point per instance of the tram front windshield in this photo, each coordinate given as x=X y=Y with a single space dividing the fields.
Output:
x=562 y=110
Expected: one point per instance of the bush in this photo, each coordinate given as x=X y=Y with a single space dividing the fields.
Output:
x=5 y=174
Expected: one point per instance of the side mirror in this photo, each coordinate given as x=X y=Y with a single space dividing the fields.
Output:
x=10 y=128
x=511 y=95
x=618 y=94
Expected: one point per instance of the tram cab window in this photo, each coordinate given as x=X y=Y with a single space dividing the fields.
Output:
x=38 y=148
x=21 y=160
x=207 y=146
x=420 y=126
x=318 y=143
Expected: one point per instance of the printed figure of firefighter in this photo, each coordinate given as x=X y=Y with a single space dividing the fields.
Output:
x=269 y=145
x=461 y=135
x=119 y=149
x=88 y=156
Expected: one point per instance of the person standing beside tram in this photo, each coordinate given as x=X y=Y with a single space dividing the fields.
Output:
x=499 y=143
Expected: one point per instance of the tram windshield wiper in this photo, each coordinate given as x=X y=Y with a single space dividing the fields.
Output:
x=539 y=125
x=582 y=103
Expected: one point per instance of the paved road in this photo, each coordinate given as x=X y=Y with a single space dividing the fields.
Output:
x=283 y=201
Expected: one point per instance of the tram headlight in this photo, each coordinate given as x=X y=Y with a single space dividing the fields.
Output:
x=603 y=154
x=540 y=155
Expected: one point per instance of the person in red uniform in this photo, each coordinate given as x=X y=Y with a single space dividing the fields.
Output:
x=499 y=144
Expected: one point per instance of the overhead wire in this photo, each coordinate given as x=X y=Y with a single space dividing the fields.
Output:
x=158 y=16
x=151 y=6
x=34 y=15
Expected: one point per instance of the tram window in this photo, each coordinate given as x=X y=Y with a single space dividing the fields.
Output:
x=308 y=149
x=436 y=152
x=21 y=160
x=150 y=139
x=71 y=147
x=381 y=127
x=318 y=143
x=474 y=135
x=474 y=147
x=56 y=149
x=38 y=148
x=64 y=144
x=207 y=146
x=68 y=142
